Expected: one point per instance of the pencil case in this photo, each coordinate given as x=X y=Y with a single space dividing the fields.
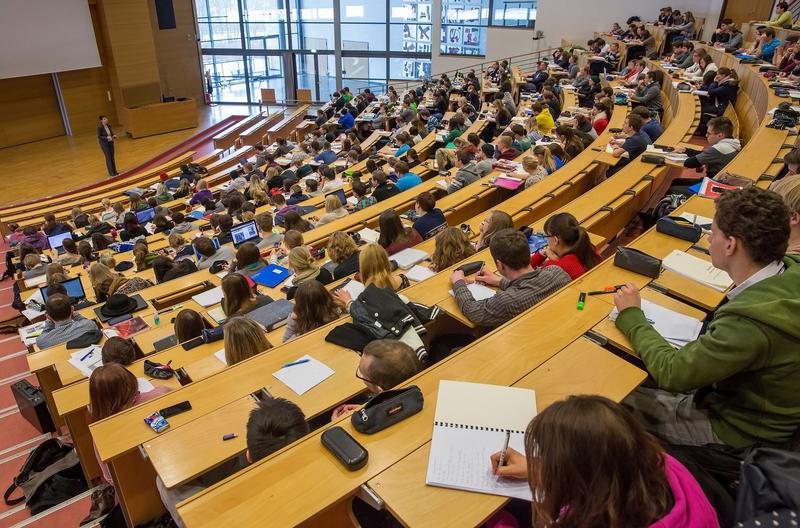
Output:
x=679 y=228
x=387 y=408
x=637 y=262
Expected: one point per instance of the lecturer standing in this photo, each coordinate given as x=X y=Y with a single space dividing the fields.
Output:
x=106 y=137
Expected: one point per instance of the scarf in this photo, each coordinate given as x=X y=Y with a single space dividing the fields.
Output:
x=307 y=275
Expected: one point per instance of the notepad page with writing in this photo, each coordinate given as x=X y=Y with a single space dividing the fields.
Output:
x=470 y=424
x=697 y=269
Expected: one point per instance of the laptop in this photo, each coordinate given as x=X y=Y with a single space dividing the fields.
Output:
x=339 y=193
x=145 y=216
x=57 y=241
x=197 y=254
x=244 y=232
x=75 y=291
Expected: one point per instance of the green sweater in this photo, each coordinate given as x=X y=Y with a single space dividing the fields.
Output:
x=747 y=361
x=784 y=20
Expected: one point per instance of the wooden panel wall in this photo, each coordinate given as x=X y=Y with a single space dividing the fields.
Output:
x=178 y=53
x=28 y=110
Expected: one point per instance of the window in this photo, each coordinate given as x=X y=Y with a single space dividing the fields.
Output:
x=405 y=69
x=464 y=27
x=227 y=77
x=510 y=13
x=218 y=21
x=363 y=25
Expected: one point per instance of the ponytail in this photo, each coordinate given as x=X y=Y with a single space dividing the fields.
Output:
x=566 y=227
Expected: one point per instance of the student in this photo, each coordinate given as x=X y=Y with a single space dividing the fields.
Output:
x=112 y=389
x=504 y=149
x=70 y=255
x=375 y=268
x=108 y=214
x=165 y=269
x=210 y=254
x=406 y=179
x=180 y=224
x=382 y=189
x=535 y=82
x=748 y=360
x=188 y=325
x=485 y=159
x=162 y=224
x=63 y=324
x=53 y=228
x=788 y=188
x=296 y=195
x=273 y=424
x=333 y=210
x=650 y=126
x=248 y=260
x=314 y=306
x=467 y=172
x=326 y=156
x=344 y=253
x=721 y=149
x=721 y=93
x=180 y=247
x=600 y=115
x=202 y=194
x=635 y=142
x=495 y=221
x=783 y=20
x=225 y=225
x=569 y=141
x=131 y=228
x=363 y=199
x=346 y=121
x=118 y=350
x=106 y=283
x=766 y=44
x=735 y=40
x=544 y=156
x=543 y=119
x=162 y=194
x=238 y=298
x=452 y=246
x=243 y=338
x=648 y=93
x=384 y=364
x=520 y=285
x=305 y=269
x=430 y=219
x=535 y=172
x=590 y=463
x=568 y=247
x=406 y=142
x=292 y=221
x=183 y=190
x=394 y=236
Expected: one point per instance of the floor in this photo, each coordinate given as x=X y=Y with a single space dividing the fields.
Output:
x=56 y=165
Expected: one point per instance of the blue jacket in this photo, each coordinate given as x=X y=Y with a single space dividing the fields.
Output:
x=408 y=181
x=431 y=223
x=327 y=156
x=653 y=129
x=768 y=49
x=347 y=121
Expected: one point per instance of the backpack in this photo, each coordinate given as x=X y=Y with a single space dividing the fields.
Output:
x=770 y=485
x=50 y=475
x=665 y=207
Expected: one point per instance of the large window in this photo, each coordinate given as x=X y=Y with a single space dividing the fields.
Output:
x=464 y=27
x=511 y=13
x=248 y=45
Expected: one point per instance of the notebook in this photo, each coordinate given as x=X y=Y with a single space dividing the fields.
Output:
x=507 y=182
x=478 y=291
x=408 y=257
x=218 y=315
x=131 y=327
x=353 y=287
x=470 y=425
x=676 y=328
x=419 y=273
x=209 y=297
x=697 y=269
x=271 y=276
x=369 y=235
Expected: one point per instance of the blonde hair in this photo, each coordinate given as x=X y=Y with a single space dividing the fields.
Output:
x=101 y=277
x=106 y=203
x=31 y=260
x=243 y=339
x=340 y=246
x=161 y=189
x=202 y=184
x=373 y=264
x=452 y=245
x=332 y=203
x=300 y=259
x=789 y=189
x=529 y=163
x=547 y=157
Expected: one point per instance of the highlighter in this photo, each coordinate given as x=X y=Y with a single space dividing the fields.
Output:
x=581 y=300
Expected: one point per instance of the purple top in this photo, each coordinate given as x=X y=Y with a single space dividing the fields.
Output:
x=199 y=196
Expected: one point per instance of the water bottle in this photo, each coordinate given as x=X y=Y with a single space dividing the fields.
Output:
x=157 y=319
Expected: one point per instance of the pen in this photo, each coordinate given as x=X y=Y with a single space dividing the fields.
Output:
x=502 y=461
x=298 y=362
x=607 y=289
x=581 y=300
x=229 y=436
x=89 y=353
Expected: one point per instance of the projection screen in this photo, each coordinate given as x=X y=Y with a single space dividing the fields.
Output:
x=45 y=36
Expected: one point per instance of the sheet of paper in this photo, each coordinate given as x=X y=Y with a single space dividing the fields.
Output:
x=354 y=288
x=41 y=280
x=220 y=355
x=442 y=183
x=478 y=291
x=209 y=297
x=369 y=235
x=675 y=327
x=87 y=359
x=697 y=219
x=419 y=273
x=698 y=270
x=144 y=385
x=303 y=377
x=218 y=315
x=32 y=314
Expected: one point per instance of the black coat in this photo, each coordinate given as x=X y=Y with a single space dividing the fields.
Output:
x=721 y=95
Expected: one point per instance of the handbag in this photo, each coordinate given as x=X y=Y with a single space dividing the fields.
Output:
x=679 y=227
x=637 y=262
x=387 y=408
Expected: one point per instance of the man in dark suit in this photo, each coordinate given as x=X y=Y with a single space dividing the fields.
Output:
x=106 y=137
x=535 y=82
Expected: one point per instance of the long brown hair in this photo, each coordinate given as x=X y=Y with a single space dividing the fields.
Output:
x=452 y=245
x=237 y=296
x=112 y=388
x=566 y=227
x=391 y=228
x=244 y=338
x=590 y=463
x=314 y=306
x=497 y=220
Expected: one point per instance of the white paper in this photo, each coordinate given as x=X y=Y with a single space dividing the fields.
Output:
x=303 y=377
x=36 y=297
x=209 y=297
x=478 y=291
x=419 y=273
x=408 y=257
x=36 y=281
x=697 y=219
x=369 y=235
x=673 y=326
x=442 y=183
x=220 y=355
x=32 y=314
x=354 y=288
x=352 y=200
x=698 y=270
x=87 y=359
x=144 y=385
x=29 y=333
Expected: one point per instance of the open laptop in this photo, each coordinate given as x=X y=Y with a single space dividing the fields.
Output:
x=197 y=254
x=339 y=193
x=75 y=291
x=146 y=215
x=57 y=241
x=244 y=232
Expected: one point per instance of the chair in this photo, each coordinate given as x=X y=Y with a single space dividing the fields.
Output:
x=304 y=95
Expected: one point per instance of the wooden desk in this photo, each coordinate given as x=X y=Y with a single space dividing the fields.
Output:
x=580 y=368
x=158 y=118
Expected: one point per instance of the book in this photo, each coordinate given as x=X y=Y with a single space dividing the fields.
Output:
x=408 y=257
x=697 y=269
x=209 y=297
x=369 y=235
x=131 y=327
x=676 y=328
x=218 y=315
x=470 y=424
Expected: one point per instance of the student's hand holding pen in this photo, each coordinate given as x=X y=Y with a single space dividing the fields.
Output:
x=489 y=278
x=515 y=464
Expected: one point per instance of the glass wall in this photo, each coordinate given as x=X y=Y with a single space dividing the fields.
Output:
x=464 y=27
x=510 y=13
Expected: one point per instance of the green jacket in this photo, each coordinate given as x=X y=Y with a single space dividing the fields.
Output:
x=748 y=361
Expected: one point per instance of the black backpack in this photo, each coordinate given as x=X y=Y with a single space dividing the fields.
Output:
x=50 y=475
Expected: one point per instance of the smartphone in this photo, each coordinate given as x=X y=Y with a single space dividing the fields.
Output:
x=665 y=148
x=156 y=422
x=178 y=408
x=183 y=376
x=345 y=448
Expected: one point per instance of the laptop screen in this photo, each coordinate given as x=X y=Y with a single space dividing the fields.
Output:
x=197 y=254
x=244 y=232
x=145 y=216
x=73 y=286
x=339 y=193
x=56 y=241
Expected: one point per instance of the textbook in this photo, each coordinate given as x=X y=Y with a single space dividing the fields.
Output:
x=697 y=269
x=470 y=424
x=131 y=327
x=369 y=235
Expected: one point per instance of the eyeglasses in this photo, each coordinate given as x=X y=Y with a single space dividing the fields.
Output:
x=362 y=378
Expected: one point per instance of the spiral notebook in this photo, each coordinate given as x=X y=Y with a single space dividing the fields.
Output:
x=470 y=425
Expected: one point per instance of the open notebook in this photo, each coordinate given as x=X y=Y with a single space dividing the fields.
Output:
x=697 y=269
x=470 y=425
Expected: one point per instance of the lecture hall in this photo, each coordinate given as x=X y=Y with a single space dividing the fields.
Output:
x=400 y=263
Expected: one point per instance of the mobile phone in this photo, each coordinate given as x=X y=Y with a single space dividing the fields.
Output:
x=178 y=408
x=345 y=448
x=193 y=343
x=183 y=376
x=156 y=422
x=666 y=148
